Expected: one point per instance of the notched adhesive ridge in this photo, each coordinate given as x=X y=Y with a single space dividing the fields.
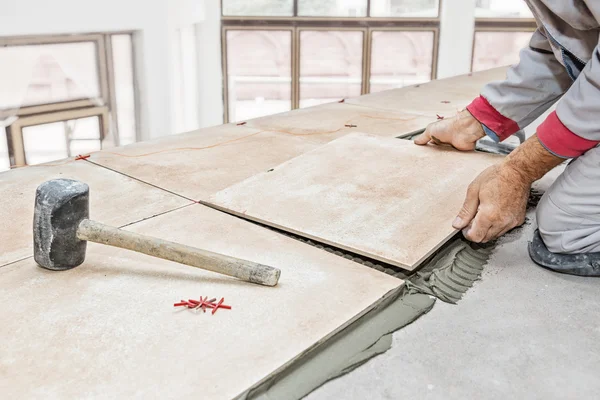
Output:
x=452 y=271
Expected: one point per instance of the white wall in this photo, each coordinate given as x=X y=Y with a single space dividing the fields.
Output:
x=158 y=25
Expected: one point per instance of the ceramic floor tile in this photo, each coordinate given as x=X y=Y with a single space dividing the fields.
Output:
x=471 y=83
x=108 y=328
x=200 y=163
x=417 y=100
x=324 y=123
x=114 y=199
x=384 y=198
x=443 y=97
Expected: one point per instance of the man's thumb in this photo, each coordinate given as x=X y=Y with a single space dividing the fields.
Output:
x=468 y=210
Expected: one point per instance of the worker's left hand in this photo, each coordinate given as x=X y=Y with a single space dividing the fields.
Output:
x=495 y=203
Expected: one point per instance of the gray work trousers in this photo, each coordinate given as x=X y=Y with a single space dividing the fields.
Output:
x=568 y=215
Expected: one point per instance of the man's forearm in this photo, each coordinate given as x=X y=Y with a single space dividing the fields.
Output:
x=531 y=161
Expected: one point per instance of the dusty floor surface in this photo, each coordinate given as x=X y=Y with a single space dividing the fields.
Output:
x=520 y=332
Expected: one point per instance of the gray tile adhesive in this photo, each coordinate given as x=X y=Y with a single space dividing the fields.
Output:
x=452 y=271
x=447 y=276
x=364 y=338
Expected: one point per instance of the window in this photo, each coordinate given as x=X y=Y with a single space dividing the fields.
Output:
x=495 y=49
x=405 y=8
x=330 y=66
x=400 y=59
x=502 y=9
x=332 y=8
x=4 y=158
x=259 y=63
x=280 y=55
x=32 y=75
x=41 y=138
x=64 y=95
x=502 y=29
x=258 y=7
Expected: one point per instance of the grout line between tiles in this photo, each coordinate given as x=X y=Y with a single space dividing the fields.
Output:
x=14 y=262
x=139 y=180
x=156 y=215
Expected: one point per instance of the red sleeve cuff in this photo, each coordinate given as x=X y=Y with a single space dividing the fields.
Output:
x=483 y=112
x=560 y=141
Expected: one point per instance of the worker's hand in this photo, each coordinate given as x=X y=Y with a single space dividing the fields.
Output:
x=495 y=203
x=460 y=131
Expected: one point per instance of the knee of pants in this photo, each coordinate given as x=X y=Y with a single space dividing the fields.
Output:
x=564 y=232
x=553 y=224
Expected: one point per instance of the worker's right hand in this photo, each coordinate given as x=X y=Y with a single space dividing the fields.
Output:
x=461 y=132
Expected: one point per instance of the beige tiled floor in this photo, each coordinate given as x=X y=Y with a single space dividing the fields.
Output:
x=200 y=163
x=381 y=197
x=324 y=123
x=443 y=97
x=108 y=328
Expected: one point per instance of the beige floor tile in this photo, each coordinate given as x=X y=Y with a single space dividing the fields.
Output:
x=384 y=198
x=324 y=123
x=108 y=328
x=420 y=100
x=200 y=163
x=114 y=199
x=444 y=97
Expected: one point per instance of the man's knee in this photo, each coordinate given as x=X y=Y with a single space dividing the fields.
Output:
x=565 y=232
x=549 y=224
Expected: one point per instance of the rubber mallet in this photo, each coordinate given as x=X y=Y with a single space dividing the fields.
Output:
x=61 y=230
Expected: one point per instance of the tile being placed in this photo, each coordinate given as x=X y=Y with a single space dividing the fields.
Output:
x=384 y=198
x=114 y=199
x=200 y=163
x=324 y=123
x=108 y=328
x=444 y=97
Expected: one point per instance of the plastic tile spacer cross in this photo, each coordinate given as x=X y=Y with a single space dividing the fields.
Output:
x=220 y=305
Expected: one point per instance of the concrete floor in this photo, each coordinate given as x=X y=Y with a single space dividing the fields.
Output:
x=520 y=332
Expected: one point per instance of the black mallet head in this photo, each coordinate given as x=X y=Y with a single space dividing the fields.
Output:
x=60 y=205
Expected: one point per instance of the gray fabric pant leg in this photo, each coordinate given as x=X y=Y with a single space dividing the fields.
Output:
x=568 y=214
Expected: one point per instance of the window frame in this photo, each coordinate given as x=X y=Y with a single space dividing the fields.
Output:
x=105 y=106
x=101 y=62
x=14 y=132
x=297 y=24
x=364 y=56
x=224 y=59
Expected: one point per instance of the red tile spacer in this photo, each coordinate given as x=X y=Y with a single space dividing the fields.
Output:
x=204 y=302
x=342 y=100
x=220 y=305
x=82 y=157
x=241 y=123
x=439 y=116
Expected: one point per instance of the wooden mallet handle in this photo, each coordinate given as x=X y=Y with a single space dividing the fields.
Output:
x=242 y=269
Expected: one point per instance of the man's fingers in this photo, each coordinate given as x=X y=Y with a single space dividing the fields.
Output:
x=423 y=138
x=477 y=231
x=500 y=229
x=495 y=232
x=469 y=208
x=437 y=132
